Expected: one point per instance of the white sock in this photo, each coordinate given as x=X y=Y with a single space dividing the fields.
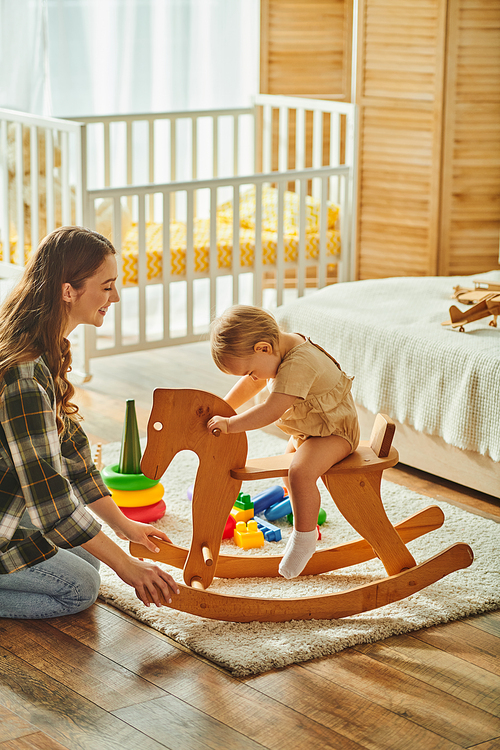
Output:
x=298 y=551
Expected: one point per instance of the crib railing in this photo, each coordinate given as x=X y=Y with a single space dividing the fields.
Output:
x=157 y=169
x=40 y=182
x=175 y=331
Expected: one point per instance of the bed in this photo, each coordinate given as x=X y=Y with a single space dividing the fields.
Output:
x=276 y=181
x=441 y=386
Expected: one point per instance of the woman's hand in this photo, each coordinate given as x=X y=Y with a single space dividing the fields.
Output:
x=140 y=533
x=148 y=580
x=145 y=577
x=106 y=508
x=218 y=423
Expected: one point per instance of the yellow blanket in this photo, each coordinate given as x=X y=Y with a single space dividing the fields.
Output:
x=224 y=223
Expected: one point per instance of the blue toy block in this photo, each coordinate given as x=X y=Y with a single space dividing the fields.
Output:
x=271 y=533
x=278 y=510
x=268 y=497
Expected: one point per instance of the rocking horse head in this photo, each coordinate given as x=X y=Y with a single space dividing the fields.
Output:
x=178 y=421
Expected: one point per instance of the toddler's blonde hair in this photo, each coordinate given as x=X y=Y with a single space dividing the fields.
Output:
x=234 y=334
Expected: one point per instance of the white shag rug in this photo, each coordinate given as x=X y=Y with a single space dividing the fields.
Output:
x=251 y=648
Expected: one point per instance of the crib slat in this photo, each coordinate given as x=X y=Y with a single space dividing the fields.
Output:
x=65 y=190
x=173 y=150
x=317 y=149
x=213 y=252
x=117 y=242
x=236 y=144
x=283 y=140
x=81 y=176
x=49 y=179
x=300 y=138
x=334 y=155
x=19 y=193
x=166 y=267
x=280 y=248
x=322 y=234
x=4 y=193
x=215 y=146
x=267 y=135
x=189 y=261
x=258 y=260
x=236 y=256
x=194 y=147
x=142 y=266
x=130 y=165
x=35 y=170
x=301 y=257
x=107 y=156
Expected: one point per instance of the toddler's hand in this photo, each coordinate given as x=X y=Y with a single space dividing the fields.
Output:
x=218 y=423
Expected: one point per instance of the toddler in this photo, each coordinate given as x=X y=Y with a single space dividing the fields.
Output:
x=310 y=399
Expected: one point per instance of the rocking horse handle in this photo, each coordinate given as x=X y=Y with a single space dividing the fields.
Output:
x=216 y=432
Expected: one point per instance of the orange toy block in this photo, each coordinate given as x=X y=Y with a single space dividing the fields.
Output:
x=247 y=535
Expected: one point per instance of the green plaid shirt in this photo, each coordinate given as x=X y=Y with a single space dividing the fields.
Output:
x=51 y=476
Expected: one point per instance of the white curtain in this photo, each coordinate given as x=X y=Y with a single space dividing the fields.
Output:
x=118 y=56
x=24 y=76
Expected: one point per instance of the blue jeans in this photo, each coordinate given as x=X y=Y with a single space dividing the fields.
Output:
x=65 y=584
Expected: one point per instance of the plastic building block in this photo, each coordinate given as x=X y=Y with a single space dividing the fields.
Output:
x=321 y=517
x=243 y=502
x=265 y=499
x=247 y=535
x=271 y=533
x=278 y=510
x=242 y=515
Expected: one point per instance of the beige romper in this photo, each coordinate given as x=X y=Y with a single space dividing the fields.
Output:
x=324 y=405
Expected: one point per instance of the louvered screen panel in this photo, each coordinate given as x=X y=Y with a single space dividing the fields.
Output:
x=471 y=167
x=400 y=65
x=305 y=48
x=396 y=183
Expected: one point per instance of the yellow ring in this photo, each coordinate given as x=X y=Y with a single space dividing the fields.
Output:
x=138 y=498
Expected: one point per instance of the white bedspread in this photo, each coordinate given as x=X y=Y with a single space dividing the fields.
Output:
x=388 y=334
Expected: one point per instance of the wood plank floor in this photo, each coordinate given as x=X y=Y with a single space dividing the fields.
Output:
x=100 y=680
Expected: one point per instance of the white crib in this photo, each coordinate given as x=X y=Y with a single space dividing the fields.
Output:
x=188 y=187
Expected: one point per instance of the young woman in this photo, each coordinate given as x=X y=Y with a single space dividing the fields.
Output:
x=50 y=544
x=310 y=400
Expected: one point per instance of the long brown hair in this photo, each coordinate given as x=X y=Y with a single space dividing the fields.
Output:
x=34 y=316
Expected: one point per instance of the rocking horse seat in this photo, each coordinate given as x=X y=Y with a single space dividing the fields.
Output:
x=363 y=459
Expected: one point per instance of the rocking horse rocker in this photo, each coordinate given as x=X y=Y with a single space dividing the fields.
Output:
x=178 y=421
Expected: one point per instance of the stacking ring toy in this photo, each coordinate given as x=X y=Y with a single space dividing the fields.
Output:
x=116 y=481
x=146 y=513
x=137 y=498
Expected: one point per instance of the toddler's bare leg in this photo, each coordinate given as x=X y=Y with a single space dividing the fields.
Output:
x=312 y=459
x=290 y=448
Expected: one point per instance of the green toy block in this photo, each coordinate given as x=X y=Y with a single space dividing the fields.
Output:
x=243 y=502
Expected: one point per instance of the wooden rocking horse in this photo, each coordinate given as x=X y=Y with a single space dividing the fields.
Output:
x=178 y=422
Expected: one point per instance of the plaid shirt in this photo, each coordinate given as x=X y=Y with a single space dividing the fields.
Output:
x=49 y=475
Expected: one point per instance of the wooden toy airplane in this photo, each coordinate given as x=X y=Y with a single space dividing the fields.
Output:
x=178 y=421
x=485 y=298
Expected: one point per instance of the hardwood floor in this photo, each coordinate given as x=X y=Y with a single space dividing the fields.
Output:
x=100 y=680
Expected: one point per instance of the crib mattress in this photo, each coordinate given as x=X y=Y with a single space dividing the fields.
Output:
x=201 y=241
x=388 y=334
